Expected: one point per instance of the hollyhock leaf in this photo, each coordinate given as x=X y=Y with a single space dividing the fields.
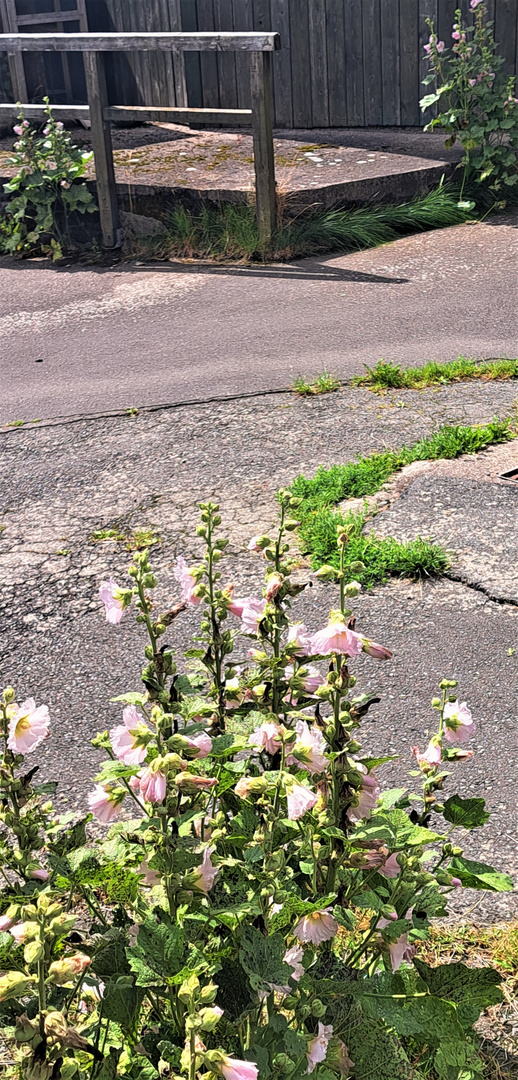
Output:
x=144 y=975
x=49 y=788
x=475 y=875
x=470 y=813
x=373 y=762
x=388 y=798
x=131 y=699
x=369 y=901
x=375 y=1051
x=263 y=959
x=470 y=989
x=403 y=1007
x=72 y=839
x=122 y=1001
x=161 y=946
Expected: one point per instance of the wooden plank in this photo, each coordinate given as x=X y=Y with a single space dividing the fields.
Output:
x=409 y=62
x=318 y=63
x=16 y=65
x=372 y=63
x=336 y=63
x=261 y=86
x=445 y=19
x=428 y=9
x=37 y=112
x=167 y=113
x=208 y=63
x=192 y=61
x=282 y=85
x=353 y=32
x=102 y=148
x=390 y=84
x=143 y=42
x=242 y=14
x=300 y=63
x=506 y=32
x=227 y=76
x=47 y=17
x=178 y=61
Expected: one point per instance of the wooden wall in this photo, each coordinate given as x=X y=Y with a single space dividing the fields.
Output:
x=343 y=62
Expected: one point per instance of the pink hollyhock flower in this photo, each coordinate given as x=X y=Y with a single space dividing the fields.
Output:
x=298 y=635
x=150 y=877
x=456 y=754
x=474 y=4
x=317 y=1048
x=252 y=614
x=391 y=867
x=233 y=1069
x=66 y=970
x=377 y=651
x=317 y=927
x=458 y=721
x=153 y=784
x=39 y=875
x=253 y=545
x=104 y=803
x=344 y=1062
x=273 y=585
x=293 y=957
x=204 y=834
x=427 y=49
x=440 y=46
x=114 y=600
x=6 y=923
x=300 y=800
x=18 y=130
x=367 y=798
x=472 y=82
x=400 y=950
x=203 y=743
x=59 y=126
x=18 y=932
x=28 y=727
x=267 y=737
x=430 y=758
x=336 y=638
x=456 y=882
x=207 y=873
x=126 y=738
x=187 y=580
x=311 y=681
x=251 y=785
x=308 y=749
x=190 y=784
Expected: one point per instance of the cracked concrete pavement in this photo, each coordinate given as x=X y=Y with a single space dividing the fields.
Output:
x=63 y=481
x=88 y=339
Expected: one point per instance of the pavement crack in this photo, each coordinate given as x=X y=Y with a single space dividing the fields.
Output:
x=477 y=586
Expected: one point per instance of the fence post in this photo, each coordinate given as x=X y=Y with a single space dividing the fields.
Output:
x=102 y=147
x=264 y=164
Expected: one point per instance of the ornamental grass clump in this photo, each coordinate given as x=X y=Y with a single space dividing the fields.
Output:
x=253 y=907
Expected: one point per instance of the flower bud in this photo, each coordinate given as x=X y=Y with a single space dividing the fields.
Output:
x=9 y=695
x=15 y=984
x=326 y=573
x=436 y=703
x=318 y=1008
x=189 y=784
x=352 y=589
x=68 y=969
x=210 y=1017
x=56 y=1025
x=251 y=785
x=33 y=952
x=25 y=1029
x=62 y=924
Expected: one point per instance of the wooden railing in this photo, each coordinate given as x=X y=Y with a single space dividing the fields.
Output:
x=260 y=46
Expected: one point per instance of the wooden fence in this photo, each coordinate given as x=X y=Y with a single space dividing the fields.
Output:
x=342 y=63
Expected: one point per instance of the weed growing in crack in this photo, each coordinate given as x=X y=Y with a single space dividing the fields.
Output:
x=388 y=376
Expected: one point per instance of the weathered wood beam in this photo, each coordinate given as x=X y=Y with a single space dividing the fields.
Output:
x=165 y=113
x=48 y=17
x=140 y=42
x=264 y=162
x=102 y=147
x=37 y=112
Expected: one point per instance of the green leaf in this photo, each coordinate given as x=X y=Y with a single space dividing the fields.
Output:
x=159 y=947
x=263 y=959
x=122 y=1001
x=428 y=99
x=375 y=762
x=407 y=1009
x=131 y=699
x=377 y=1053
x=470 y=989
x=470 y=813
x=475 y=875
x=388 y=798
x=108 y=1069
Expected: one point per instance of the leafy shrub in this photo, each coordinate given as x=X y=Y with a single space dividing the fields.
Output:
x=476 y=101
x=253 y=909
x=46 y=191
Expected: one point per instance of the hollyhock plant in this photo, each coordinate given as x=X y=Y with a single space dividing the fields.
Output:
x=294 y=958
x=206 y=873
x=233 y=1069
x=311 y=681
x=458 y=722
x=431 y=756
x=316 y=927
x=300 y=800
x=267 y=737
x=308 y=749
x=299 y=636
x=153 y=784
x=115 y=600
x=187 y=579
x=390 y=868
x=336 y=638
x=366 y=799
x=105 y=802
x=28 y=726
x=317 y=1048
x=129 y=739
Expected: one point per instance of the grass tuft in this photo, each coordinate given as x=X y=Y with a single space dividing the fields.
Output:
x=320 y=494
x=138 y=540
x=229 y=232
x=388 y=376
x=325 y=383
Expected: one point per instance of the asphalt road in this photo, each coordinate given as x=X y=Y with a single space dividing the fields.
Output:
x=86 y=340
